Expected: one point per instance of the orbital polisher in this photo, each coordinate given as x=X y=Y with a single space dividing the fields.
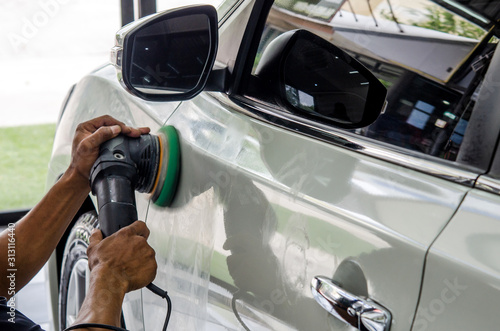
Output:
x=148 y=164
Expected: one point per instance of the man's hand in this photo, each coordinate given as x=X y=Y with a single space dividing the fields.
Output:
x=89 y=136
x=125 y=257
x=118 y=264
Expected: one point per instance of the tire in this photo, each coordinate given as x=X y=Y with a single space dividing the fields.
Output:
x=74 y=269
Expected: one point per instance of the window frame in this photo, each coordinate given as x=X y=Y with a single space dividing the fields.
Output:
x=463 y=171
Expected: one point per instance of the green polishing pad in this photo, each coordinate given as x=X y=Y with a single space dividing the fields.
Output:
x=169 y=173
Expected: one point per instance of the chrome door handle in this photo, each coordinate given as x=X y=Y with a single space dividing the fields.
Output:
x=363 y=314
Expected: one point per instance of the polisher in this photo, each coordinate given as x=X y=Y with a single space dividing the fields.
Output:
x=148 y=164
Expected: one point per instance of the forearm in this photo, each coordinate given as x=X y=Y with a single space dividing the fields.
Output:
x=37 y=234
x=103 y=302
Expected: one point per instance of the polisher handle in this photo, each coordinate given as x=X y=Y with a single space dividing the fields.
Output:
x=116 y=200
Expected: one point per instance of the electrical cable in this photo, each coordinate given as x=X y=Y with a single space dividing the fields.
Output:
x=236 y=296
x=153 y=288
x=158 y=291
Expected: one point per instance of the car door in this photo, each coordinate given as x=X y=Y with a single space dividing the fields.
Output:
x=463 y=266
x=268 y=200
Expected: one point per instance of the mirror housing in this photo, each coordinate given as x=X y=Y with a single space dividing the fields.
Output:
x=167 y=56
x=312 y=78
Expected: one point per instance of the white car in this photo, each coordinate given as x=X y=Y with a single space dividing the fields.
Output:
x=292 y=213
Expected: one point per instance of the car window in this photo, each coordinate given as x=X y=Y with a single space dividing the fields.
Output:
x=430 y=58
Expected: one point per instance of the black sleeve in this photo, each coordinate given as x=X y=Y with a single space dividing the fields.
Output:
x=13 y=320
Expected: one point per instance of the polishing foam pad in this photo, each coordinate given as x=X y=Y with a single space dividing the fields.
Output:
x=168 y=175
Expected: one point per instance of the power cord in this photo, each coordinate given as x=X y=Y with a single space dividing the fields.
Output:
x=158 y=291
x=153 y=288
x=237 y=296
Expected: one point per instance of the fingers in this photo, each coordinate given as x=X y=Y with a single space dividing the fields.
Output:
x=125 y=129
x=125 y=255
x=95 y=238
x=103 y=134
x=88 y=138
x=105 y=120
x=108 y=121
x=139 y=228
x=135 y=132
x=144 y=130
x=94 y=241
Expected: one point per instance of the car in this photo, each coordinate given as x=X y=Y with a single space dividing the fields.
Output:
x=309 y=197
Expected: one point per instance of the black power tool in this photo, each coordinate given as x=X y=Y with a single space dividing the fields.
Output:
x=148 y=164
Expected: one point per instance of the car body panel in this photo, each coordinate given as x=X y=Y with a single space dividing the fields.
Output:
x=462 y=279
x=325 y=206
x=270 y=206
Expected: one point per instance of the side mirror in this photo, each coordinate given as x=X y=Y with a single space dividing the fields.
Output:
x=311 y=77
x=167 y=56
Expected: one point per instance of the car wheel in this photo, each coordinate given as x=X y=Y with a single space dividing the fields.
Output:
x=75 y=270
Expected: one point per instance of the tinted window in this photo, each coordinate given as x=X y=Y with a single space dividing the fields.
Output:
x=423 y=53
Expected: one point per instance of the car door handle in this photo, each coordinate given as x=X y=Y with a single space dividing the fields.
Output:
x=363 y=314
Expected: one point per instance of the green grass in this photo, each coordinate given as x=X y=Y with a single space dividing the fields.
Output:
x=24 y=158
